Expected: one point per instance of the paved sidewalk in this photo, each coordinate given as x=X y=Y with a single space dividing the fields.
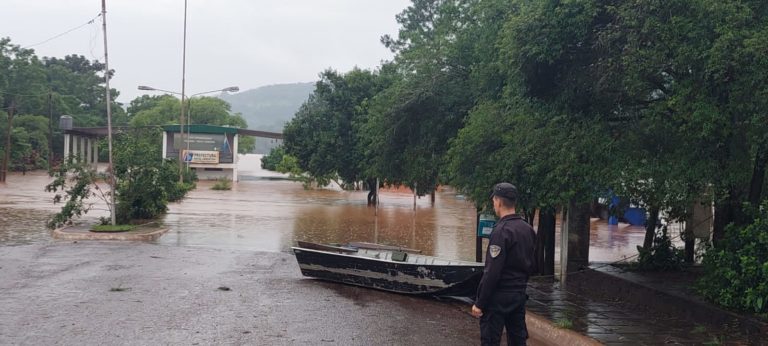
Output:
x=615 y=322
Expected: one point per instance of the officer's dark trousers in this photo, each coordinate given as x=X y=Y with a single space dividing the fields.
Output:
x=507 y=309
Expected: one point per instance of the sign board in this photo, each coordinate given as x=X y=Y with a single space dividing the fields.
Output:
x=485 y=225
x=201 y=156
x=200 y=141
x=224 y=144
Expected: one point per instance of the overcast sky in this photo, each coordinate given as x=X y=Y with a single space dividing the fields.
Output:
x=245 y=43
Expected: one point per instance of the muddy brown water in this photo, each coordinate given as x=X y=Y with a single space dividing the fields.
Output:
x=264 y=212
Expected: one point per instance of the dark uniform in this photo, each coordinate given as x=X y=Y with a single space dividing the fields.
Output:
x=509 y=261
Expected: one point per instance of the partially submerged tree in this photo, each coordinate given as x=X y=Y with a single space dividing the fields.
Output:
x=324 y=135
x=21 y=81
x=144 y=186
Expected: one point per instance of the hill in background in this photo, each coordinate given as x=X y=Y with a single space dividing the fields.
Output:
x=268 y=108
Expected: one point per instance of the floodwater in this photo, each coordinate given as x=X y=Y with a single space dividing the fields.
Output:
x=265 y=212
x=262 y=213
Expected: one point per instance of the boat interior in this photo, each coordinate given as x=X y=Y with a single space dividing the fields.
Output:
x=410 y=258
x=385 y=255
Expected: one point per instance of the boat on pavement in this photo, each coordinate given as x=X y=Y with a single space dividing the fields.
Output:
x=388 y=268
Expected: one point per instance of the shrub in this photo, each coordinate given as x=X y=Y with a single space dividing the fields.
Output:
x=661 y=256
x=271 y=160
x=736 y=270
x=178 y=190
x=145 y=183
x=72 y=183
x=222 y=184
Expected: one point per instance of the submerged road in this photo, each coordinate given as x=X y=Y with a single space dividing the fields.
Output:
x=167 y=292
x=143 y=294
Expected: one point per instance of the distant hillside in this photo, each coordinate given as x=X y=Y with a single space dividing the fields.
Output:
x=268 y=108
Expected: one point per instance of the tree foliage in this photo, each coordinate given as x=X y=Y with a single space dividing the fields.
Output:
x=164 y=110
x=736 y=273
x=144 y=185
x=660 y=102
x=271 y=160
x=48 y=87
x=73 y=184
x=324 y=135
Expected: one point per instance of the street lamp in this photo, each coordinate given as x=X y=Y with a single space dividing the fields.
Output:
x=232 y=89
x=189 y=101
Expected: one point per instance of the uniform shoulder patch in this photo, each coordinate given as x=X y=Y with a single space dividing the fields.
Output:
x=495 y=250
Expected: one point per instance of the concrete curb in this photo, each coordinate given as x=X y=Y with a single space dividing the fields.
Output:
x=545 y=332
x=62 y=234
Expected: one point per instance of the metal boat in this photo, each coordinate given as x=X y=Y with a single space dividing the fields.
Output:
x=388 y=268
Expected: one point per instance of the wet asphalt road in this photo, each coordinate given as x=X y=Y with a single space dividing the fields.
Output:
x=90 y=293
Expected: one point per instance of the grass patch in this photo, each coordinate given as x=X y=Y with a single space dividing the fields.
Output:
x=113 y=228
x=222 y=184
x=565 y=323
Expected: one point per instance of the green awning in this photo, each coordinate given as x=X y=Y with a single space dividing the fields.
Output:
x=202 y=129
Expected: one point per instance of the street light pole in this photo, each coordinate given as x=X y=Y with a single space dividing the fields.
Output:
x=232 y=89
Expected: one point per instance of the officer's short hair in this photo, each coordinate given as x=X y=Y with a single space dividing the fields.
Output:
x=507 y=194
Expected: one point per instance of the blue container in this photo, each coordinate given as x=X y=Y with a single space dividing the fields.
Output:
x=635 y=216
x=485 y=226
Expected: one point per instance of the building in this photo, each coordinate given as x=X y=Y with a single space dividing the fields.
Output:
x=210 y=151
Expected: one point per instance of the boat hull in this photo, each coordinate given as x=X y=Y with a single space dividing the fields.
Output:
x=400 y=277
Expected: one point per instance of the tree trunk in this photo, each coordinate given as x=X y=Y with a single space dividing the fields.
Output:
x=758 y=177
x=650 y=227
x=578 y=236
x=371 y=191
x=724 y=215
x=545 y=242
x=689 y=238
x=7 y=151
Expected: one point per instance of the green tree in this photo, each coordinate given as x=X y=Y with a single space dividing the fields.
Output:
x=144 y=185
x=413 y=120
x=271 y=160
x=164 y=110
x=31 y=142
x=692 y=72
x=78 y=86
x=324 y=135
x=21 y=80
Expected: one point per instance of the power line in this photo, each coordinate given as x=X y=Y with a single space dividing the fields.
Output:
x=64 y=33
x=36 y=95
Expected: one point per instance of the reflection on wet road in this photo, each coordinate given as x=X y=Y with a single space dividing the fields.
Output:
x=264 y=212
x=270 y=215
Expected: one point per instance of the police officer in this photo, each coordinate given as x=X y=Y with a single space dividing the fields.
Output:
x=509 y=261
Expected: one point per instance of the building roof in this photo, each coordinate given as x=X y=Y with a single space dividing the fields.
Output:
x=102 y=131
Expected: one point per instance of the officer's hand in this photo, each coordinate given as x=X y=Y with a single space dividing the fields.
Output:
x=476 y=311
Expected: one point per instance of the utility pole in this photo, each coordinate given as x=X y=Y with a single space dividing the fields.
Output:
x=183 y=83
x=112 y=206
x=50 y=128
